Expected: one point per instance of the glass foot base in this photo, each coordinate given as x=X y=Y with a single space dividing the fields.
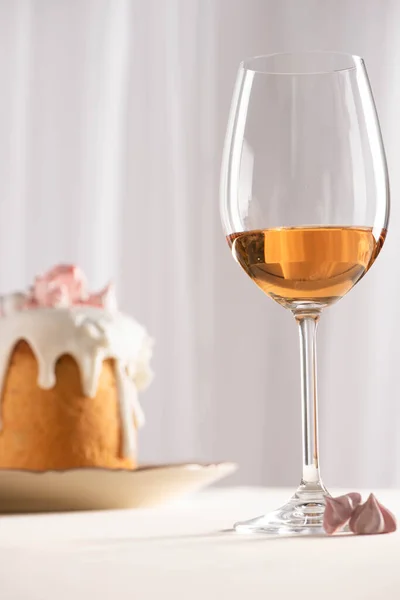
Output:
x=302 y=515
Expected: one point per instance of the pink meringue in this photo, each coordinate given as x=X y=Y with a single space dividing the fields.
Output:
x=339 y=510
x=106 y=298
x=62 y=286
x=371 y=518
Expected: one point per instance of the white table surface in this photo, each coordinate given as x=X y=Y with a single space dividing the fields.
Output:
x=185 y=552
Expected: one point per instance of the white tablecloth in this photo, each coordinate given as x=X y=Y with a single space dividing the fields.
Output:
x=185 y=552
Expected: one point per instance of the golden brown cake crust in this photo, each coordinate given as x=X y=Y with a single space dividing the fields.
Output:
x=58 y=428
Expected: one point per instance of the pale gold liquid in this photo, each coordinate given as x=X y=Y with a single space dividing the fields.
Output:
x=314 y=264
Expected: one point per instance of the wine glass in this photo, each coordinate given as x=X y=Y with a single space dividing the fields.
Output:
x=305 y=208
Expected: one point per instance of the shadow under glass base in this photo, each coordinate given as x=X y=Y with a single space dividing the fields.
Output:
x=302 y=515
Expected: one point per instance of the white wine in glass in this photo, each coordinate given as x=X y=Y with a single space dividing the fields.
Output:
x=305 y=208
x=314 y=264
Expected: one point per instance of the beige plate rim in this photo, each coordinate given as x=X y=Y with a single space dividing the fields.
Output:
x=146 y=467
x=96 y=488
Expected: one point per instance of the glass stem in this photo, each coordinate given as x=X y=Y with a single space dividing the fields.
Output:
x=308 y=328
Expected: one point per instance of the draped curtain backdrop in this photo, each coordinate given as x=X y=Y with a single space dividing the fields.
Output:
x=112 y=121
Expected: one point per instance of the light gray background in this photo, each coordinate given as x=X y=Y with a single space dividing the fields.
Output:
x=112 y=119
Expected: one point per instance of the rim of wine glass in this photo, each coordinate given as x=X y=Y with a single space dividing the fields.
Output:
x=246 y=63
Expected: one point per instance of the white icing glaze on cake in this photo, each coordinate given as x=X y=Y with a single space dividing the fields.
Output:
x=90 y=335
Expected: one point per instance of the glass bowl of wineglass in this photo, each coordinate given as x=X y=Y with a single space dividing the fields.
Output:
x=305 y=210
